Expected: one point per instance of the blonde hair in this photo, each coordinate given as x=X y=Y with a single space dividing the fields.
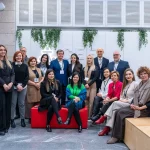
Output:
x=92 y=66
x=6 y=59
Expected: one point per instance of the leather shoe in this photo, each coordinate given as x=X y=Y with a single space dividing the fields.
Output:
x=80 y=129
x=13 y=125
x=48 y=128
x=112 y=140
x=101 y=120
x=106 y=130
x=59 y=120
x=96 y=117
x=2 y=133
x=23 y=123
x=67 y=121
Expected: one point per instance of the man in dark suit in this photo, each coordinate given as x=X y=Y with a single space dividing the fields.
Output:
x=60 y=67
x=101 y=63
x=118 y=65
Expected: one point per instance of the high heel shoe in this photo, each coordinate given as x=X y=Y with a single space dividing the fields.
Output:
x=48 y=128
x=59 y=121
x=80 y=129
x=101 y=120
x=67 y=121
x=106 y=130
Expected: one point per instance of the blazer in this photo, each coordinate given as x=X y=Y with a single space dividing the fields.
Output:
x=93 y=78
x=46 y=96
x=63 y=78
x=122 y=66
x=105 y=63
x=77 y=68
x=114 y=90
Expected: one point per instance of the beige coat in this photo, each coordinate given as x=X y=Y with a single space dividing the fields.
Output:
x=33 y=94
x=141 y=97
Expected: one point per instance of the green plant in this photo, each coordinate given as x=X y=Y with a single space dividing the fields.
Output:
x=19 y=37
x=52 y=37
x=37 y=35
x=120 y=38
x=142 y=38
x=88 y=37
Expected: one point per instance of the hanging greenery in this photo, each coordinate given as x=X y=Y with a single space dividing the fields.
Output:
x=88 y=37
x=52 y=37
x=19 y=37
x=37 y=35
x=142 y=38
x=120 y=38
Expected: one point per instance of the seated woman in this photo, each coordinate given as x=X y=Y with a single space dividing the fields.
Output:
x=114 y=91
x=126 y=98
x=137 y=109
x=101 y=95
x=50 y=92
x=76 y=94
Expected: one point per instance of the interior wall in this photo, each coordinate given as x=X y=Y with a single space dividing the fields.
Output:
x=71 y=42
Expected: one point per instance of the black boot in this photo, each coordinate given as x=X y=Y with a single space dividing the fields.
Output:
x=13 y=125
x=95 y=118
x=48 y=128
x=67 y=121
x=59 y=121
x=23 y=123
x=2 y=133
x=80 y=129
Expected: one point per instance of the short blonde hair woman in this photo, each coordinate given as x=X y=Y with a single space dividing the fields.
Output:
x=90 y=77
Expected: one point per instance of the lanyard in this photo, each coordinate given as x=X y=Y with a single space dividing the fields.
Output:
x=88 y=71
x=125 y=92
x=61 y=64
x=105 y=84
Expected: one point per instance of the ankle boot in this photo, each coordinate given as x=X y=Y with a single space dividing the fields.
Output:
x=101 y=120
x=59 y=121
x=95 y=118
x=67 y=121
x=48 y=128
x=80 y=129
x=23 y=123
x=106 y=130
x=13 y=125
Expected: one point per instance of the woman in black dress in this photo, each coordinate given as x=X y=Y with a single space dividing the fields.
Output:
x=51 y=94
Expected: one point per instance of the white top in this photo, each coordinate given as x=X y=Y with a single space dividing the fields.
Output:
x=73 y=66
x=104 y=88
x=100 y=61
x=61 y=64
x=128 y=92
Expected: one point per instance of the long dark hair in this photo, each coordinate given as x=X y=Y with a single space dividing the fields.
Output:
x=47 y=62
x=106 y=69
x=125 y=81
x=79 y=82
x=78 y=64
x=47 y=82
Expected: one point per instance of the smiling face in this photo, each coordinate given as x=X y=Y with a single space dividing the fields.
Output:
x=51 y=75
x=129 y=76
x=2 y=51
x=44 y=59
x=60 y=55
x=75 y=79
x=33 y=63
x=114 y=77
x=89 y=60
x=106 y=73
x=19 y=57
x=73 y=59
x=144 y=76
x=100 y=52
x=116 y=56
x=23 y=51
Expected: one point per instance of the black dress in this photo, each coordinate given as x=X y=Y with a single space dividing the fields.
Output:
x=48 y=102
x=7 y=76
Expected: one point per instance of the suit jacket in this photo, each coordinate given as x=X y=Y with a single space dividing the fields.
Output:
x=122 y=66
x=63 y=78
x=105 y=62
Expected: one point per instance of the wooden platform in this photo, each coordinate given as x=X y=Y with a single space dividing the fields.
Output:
x=137 y=133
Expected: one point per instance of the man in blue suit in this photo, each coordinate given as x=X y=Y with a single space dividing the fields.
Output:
x=101 y=63
x=118 y=65
x=60 y=67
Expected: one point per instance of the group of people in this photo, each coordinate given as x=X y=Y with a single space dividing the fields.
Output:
x=107 y=89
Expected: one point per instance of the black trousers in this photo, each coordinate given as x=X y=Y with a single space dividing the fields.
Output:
x=63 y=94
x=73 y=110
x=5 y=109
x=97 y=104
x=98 y=84
x=52 y=108
x=105 y=107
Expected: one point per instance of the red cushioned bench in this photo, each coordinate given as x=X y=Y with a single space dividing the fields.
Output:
x=38 y=119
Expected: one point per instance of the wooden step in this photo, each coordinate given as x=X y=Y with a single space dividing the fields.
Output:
x=137 y=133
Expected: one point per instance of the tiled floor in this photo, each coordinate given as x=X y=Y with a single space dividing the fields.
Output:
x=59 y=139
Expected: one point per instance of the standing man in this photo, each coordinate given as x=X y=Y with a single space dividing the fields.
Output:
x=118 y=65
x=101 y=63
x=60 y=67
x=24 y=53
